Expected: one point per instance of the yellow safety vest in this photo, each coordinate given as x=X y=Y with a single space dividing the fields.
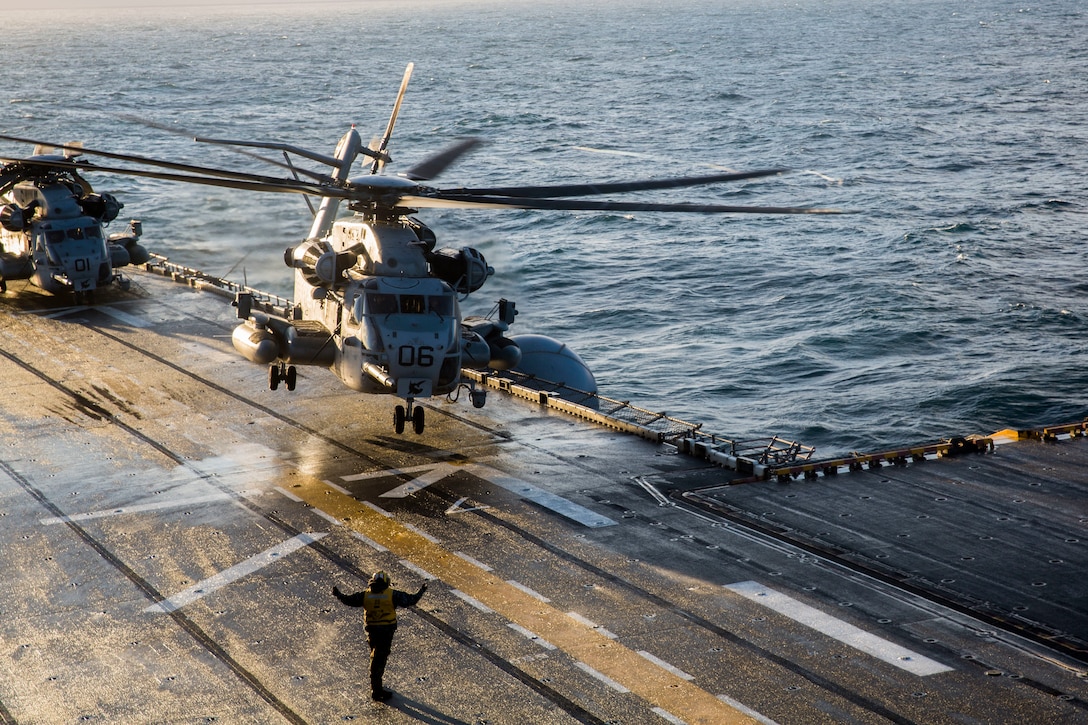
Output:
x=378 y=607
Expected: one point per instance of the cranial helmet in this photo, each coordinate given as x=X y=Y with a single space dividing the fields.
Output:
x=380 y=576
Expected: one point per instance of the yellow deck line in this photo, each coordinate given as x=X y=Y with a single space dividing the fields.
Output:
x=654 y=684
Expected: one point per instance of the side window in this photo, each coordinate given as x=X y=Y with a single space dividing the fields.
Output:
x=441 y=304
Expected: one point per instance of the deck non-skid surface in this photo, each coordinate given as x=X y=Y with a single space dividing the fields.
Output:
x=171 y=531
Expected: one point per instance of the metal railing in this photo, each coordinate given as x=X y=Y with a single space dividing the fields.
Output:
x=746 y=456
x=265 y=301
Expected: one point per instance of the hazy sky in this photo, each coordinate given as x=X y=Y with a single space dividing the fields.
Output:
x=106 y=4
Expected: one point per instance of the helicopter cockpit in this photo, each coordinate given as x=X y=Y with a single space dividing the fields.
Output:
x=409 y=328
x=73 y=257
x=384 y=303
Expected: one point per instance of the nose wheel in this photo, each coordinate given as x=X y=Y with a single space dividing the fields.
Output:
x=282 y=372
x=402 y=414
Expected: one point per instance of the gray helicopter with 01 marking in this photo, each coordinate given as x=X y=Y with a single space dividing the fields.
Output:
x=375 y=299
x=52 y=226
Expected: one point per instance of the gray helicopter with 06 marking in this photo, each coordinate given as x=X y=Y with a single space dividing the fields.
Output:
x=52 y=226
x=376 y=300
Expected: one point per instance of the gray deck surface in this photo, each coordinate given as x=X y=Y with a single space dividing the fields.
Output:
x=171 y=530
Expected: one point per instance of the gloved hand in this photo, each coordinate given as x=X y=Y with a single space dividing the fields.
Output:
x=422 y=589
x=336 y=592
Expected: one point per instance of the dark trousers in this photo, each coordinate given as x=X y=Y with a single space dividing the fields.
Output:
x=380 y=639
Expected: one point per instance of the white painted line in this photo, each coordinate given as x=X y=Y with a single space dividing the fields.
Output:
x=530 y=636
x=592 y=625
x=836 y=628
x=233 y=574
x=668 y=716
x=472 y=561
x=56 y=315
x=131 y=320
x=423 y=573
x=531 y=592
x=289 y=495
x=144 y=507
x=758 y=717
x=473 y=601
x=124 y=317
x=421 y=532
x=440 y=471
x=666 y=666
x=386 y=472
x=662 y=499
x=369 y=542
x=377 y=508
x=539 y=496
x=328 y=517
x=341 y=489
x=601 y=676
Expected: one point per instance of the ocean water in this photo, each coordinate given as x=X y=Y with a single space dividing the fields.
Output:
x=951 y=301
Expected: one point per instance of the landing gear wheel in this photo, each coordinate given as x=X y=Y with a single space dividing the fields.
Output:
x=399 y=417
x=417 y=421
x=276 y=373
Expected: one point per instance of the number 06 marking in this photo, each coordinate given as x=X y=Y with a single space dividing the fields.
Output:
x=410 y=356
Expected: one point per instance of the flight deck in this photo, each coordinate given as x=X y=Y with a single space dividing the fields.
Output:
x=172 y=529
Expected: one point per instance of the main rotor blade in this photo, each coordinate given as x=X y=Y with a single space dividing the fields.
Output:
x=384 y=144
x=254 y=183
x=435 y=165
x=182 y=132
x=561 y=190
x=291 y=148
x=452 y=201
x=190 y=168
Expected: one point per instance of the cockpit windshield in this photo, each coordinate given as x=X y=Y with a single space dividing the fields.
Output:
x=56 y=236
x=380 y=303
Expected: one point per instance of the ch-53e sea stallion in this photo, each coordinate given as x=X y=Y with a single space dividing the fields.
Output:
x=52 y=226
x=376 y=300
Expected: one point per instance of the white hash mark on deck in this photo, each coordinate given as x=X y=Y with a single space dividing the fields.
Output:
x=233 y=574
x=145 y=507
x=563 y=507
x=531 y=636
x=668 y=716
x=746 y=710
x=844 y=632
x=601 y=676
x=665 y=665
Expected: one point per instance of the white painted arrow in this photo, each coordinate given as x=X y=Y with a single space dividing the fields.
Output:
x=456 y=508
x=436 y=474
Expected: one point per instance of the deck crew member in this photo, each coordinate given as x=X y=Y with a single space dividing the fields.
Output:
x=379 y=602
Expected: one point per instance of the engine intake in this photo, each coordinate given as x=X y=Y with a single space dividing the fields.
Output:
x=463 y=269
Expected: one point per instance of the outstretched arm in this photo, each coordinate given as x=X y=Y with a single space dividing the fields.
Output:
x=352 y=600
x=404 y=599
